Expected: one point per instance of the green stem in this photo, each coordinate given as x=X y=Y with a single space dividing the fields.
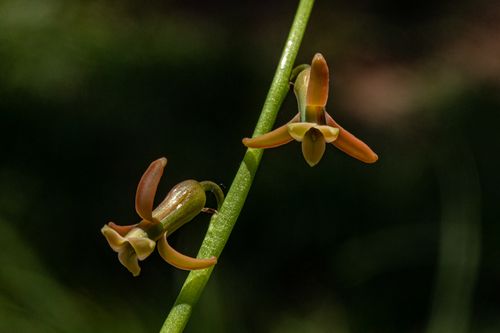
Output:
x=222 y=224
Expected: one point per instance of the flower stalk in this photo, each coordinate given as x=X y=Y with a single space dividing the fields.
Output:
x=222 y=224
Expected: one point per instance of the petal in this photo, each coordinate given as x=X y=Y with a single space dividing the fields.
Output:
x=278 y=137
x=143 y=246
x=317 y=91
x=128 y=258
x=115 y=240
x=298 y=130
x=147 y=189
x=351 y=145
x=313 y=146
x=330 y=133
x=179 y=260
x=122 y=230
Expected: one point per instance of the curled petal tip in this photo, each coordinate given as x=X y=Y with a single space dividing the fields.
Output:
x=122 y=230
x=179 y=260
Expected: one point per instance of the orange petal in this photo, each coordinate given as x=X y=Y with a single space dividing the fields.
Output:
x=179 y=260
x=122 y=230
x=278 y=137
x=317 y=91
x=351 y=145
x=147 y=189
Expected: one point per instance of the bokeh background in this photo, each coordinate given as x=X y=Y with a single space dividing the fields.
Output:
x=91 y=92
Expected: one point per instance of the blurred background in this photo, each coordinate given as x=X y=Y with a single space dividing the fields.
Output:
x=91 y=92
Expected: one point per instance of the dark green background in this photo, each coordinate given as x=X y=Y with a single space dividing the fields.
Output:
x=91 y=92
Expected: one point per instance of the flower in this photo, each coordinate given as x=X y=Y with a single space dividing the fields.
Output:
x=185 y=201
x=313 y=126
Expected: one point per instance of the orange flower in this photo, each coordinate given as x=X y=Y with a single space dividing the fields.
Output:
x=313 y=126
x=182 y=204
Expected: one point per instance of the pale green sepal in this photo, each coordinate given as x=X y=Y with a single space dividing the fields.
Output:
x=330 y=133
x=298 y=130
x=143 y=246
